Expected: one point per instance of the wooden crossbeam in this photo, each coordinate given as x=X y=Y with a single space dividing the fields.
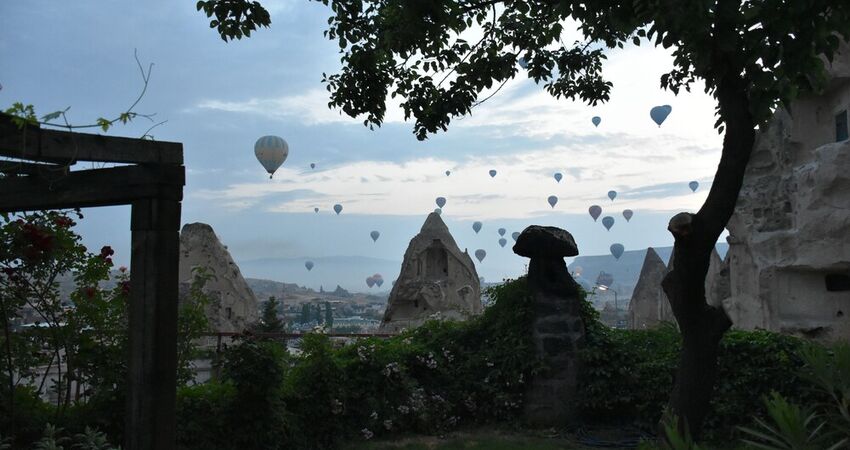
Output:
x=63 y=147
x=10 y=167
x=95 y=187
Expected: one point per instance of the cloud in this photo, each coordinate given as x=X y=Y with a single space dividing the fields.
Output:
x=520 y=189
x=308 y=108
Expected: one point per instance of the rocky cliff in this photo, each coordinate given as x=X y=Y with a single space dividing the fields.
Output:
x=789 y=255
x=233 y=305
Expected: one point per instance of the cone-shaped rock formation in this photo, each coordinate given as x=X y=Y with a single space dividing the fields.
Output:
x=436 y=277
x=233 y=305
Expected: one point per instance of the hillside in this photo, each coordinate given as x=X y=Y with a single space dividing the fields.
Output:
x=625 y=271
x=349 y=272
x=292 y=293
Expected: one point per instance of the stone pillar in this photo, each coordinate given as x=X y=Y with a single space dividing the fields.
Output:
x=557 y=329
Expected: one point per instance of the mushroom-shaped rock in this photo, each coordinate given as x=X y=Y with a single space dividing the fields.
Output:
x=547 y=242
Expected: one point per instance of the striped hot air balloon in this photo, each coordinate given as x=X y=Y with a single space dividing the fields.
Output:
x=271 y=152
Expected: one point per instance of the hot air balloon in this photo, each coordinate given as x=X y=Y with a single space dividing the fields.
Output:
x=660 y=113
x=552 y=201
x=480 y=254
x=558 y=176
x=271 y=152
x=502 y=242
x=612 y=195
x=515 y=235
x=605 y=279
x=338 y=208
x=617 y=250
x=370 y=281
x=608 y=222
x=522 y=63
x=502 y=231
x=379 y=282
x=628 y=213
x=312 y=165
x=438 y=211
x=448 y=172
x=476 y=226
x=492 y=173
x=595 y=211
x=375 y=235
x=315 y=209
x=693 y=185
x=596 y=121
x=309 y=265
x=441 y=201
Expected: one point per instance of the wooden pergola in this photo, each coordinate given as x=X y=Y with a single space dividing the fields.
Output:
x=150 y=178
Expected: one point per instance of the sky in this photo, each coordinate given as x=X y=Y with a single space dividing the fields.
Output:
x=218 y=98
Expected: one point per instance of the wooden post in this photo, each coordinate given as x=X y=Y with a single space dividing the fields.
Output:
x=150 y=421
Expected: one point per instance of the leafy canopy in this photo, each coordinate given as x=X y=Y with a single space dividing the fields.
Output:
x=441 y=56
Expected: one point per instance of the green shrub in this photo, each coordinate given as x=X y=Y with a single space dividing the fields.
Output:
x=202 y=414
x=628 y=376
x=429 y=379
x=752 y=364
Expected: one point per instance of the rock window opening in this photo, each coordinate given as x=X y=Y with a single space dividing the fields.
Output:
x=228 y=313
x=841 y=128
x=837 y=282
x=436 y=262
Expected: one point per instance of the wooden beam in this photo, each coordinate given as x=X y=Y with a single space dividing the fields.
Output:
x=96 y=187
x=11 y=167
x=64 y=147
x=152 y=368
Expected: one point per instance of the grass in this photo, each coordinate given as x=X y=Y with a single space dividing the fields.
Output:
x=473 y=440
x=490 y=439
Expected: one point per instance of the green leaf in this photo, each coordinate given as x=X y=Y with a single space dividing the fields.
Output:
x=104 y=124
x=51 y=116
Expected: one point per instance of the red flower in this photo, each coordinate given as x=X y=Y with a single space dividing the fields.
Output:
x=89 y=291
x=106 y=252
x=125 y=287
x=63 y=222
x=122 y=269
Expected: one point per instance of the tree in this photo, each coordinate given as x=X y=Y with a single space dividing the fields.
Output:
x=753 y=55
x=305 y=313
x=269 y=320
x=329 y=315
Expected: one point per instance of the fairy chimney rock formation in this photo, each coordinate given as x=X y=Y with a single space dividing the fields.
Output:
x=789 y=239
x=436 y=277
x=649 y=306
x=233 y=305
x=557 y=329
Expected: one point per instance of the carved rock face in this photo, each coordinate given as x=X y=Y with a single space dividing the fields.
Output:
x=546 y=242
x=436 y=277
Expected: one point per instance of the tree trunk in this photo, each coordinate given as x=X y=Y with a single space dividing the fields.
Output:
x=702 y=325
